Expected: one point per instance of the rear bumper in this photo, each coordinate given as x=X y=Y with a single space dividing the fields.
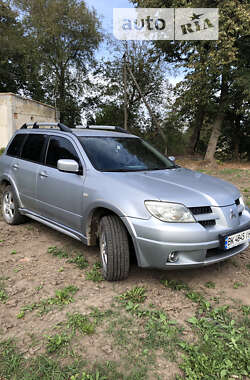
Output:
x=195 y=245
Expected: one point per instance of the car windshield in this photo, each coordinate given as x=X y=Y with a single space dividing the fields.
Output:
x=123 y=154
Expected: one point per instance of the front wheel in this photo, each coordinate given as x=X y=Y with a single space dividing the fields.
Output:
x=10 y=210
x=114 y=248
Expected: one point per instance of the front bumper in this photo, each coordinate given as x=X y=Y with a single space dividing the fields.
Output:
x=196 y=246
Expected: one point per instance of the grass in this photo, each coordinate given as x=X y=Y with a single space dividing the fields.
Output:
x=95 y=274
x=175 y=285
x=222 y=351
x=79 y=261
x=13 y=365
x=210 y=285
x=227 y=171
x=135 y=295
x=238 y=285
x=58 y=252
x=56 y=342
x=218 y=347
x=3 y=293
x=62 y=297
x=81 y=323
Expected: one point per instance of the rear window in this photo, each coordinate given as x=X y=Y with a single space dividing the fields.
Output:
x=15 y=147
x=33 y=147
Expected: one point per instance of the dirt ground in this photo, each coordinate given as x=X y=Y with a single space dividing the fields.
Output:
x=30 y=273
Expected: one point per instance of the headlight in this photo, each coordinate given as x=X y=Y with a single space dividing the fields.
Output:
x=169 y=212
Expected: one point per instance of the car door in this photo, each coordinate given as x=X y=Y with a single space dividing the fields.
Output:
x=60 y=194
x=26 y=166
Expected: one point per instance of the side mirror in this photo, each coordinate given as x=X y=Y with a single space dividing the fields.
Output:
x=69 y=166
x=171 y=158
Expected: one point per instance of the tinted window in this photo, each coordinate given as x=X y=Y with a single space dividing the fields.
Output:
x=33 y=146
x=16 y=145
x=60 y=148
x=123 y=154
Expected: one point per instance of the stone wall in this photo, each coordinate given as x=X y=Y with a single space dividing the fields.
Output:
x=16 y=110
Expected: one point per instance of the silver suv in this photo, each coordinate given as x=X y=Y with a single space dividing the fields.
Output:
x=101 y=185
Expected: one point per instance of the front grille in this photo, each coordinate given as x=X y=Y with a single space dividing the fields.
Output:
x=201 y=210
x=207 y=223
x=237 y=202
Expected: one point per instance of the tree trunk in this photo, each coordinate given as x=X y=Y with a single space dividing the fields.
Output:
x=125 y=97
x=216 y=130
x=154 y=119
x=236 y=153
x=195 y=138
x=61 y=90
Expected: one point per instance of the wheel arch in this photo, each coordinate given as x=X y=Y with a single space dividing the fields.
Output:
x=8 y=181
x=93 y=222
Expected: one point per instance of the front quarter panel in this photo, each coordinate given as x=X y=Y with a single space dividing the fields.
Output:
x=106 y=192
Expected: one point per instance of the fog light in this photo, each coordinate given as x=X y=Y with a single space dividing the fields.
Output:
x=173 y=257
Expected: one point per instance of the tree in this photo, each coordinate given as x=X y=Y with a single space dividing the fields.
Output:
x=146 y=70
x=210 y=65
x=16 y=73
x=67 y=34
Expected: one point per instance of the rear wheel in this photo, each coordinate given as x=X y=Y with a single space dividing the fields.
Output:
x=114 y=248
x=10 y=210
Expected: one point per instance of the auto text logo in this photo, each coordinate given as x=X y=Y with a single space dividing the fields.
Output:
x=166 y=23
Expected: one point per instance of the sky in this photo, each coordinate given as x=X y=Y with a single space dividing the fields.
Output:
x=104 y=10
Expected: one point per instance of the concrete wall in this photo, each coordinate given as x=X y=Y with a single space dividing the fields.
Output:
x=16 y=110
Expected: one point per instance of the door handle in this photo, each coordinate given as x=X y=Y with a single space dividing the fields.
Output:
x=15 y=166
x=43 y=174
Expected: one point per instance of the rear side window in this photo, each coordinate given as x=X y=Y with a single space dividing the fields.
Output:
x=33 y=147
x=60 y=148
x=15 y=147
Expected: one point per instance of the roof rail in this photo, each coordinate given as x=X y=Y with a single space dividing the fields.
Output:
x=37 y=125
x=103 y=127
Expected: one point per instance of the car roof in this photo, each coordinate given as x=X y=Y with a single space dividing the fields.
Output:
x=99 y=131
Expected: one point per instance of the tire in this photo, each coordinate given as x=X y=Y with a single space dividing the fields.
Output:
x=114 y=248
x=10 y=206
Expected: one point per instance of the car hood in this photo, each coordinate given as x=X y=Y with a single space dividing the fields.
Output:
x=179 y=185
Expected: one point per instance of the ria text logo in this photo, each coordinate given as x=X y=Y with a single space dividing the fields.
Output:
x=166 y=23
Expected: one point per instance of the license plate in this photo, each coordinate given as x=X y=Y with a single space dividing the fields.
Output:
x=236 y=239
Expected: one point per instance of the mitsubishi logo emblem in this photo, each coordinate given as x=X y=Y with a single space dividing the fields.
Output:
x=232 y=214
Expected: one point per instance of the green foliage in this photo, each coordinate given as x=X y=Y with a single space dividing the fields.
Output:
x=3 y=293
x=2 y=150
x=67 y=33
x=210 y=285
x=135 y=295
x=81 y=323
x=175 y=285
x=222 y=349
x=237 y=285
x=59 y=252
x=56 y=342
x=80 y=261
x=86 y=376
x=62 y=297
x=95 y=274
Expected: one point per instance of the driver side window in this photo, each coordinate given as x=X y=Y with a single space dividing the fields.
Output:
x=60 y=148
